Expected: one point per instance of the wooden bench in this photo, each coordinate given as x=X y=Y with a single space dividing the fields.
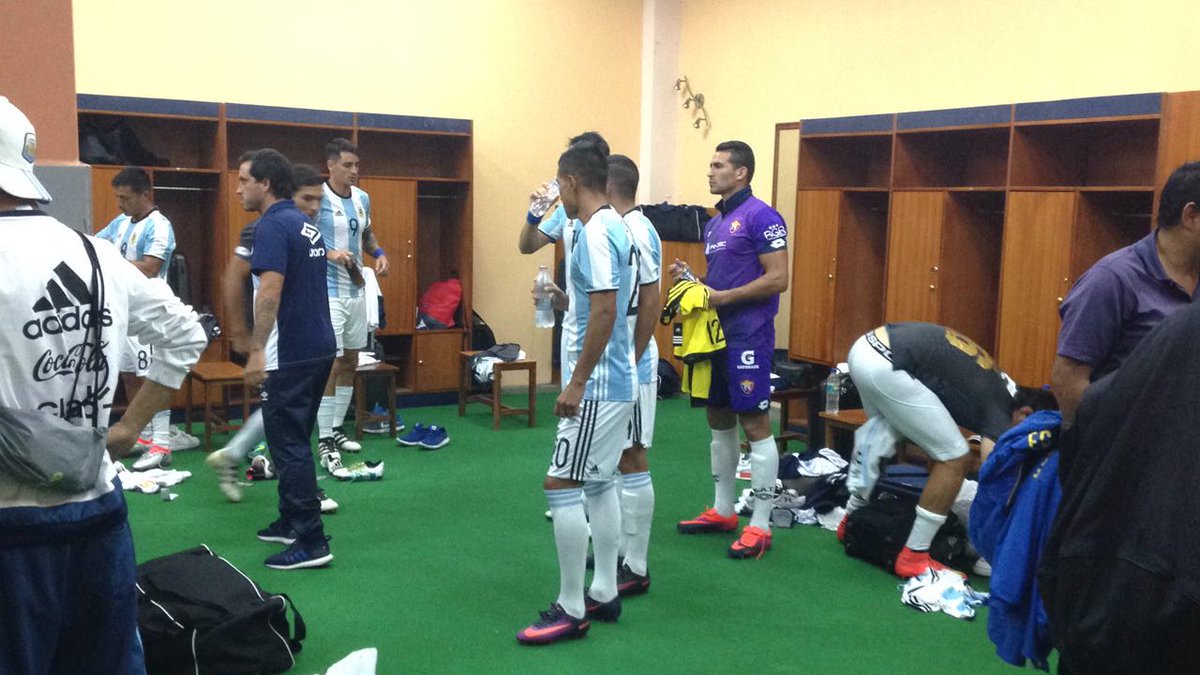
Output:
x=362 y=416
x=219 y=375
x=498 y=369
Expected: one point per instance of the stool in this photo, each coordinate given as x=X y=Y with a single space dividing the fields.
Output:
x=498 y=370
x=220 y=374
x=362 y=416
x=784 y=398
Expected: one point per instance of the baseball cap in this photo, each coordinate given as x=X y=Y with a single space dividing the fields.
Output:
x=18 y=147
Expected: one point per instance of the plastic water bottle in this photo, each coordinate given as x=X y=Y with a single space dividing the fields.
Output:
x=833 y=391
x=543 y=315
x=540 y=206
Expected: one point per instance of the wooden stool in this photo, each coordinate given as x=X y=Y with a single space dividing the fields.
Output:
x=362 y=416
x=784 y=398
x=498 y=369
x=222 y=375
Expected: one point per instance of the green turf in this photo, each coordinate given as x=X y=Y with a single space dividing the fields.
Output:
x=442 y=562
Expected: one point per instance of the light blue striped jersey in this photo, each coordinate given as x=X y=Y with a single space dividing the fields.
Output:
x=553 y=225
x=151 y=236
x=601 y=256
x=649 y=271
x=342 y=222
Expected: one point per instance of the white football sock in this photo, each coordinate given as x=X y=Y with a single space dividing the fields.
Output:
x=605 y=518
x=637 y=512
x=160 y=426
x=764 y=469
x=924 y=528
x=325 y=416
x=571 y=540
x=341 y=397
x=724 y=454
x=250 y=435
x=855 y=503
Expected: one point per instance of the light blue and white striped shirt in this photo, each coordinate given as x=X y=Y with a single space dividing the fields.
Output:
x=342 y=221
x=151 y=236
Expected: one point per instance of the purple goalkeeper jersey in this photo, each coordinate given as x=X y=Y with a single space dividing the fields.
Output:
x=745 y=228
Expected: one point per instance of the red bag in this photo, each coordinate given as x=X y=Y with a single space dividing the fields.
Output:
x=441 y=300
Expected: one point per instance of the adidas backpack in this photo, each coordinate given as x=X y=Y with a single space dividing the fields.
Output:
x=197 y=613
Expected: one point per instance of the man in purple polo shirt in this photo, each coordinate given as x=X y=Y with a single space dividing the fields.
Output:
x=1129 y=292
x=746 y=249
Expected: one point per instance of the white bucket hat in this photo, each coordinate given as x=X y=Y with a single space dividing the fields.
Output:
x=18 y=147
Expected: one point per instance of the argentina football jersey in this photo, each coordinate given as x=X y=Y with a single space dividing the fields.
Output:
x=342 y=221
x=151 y=236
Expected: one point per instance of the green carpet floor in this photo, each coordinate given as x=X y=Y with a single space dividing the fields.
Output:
x=443 y=561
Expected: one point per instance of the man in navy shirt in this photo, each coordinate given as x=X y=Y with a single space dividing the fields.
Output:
x=746 y=249
x=290 y=352
x=1129 y=292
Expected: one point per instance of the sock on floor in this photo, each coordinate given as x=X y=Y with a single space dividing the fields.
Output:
x=764 y=469
x=605 y=519
x=251 y=434
x=571 y=540
x=637 y=512
x=924 y=528
x=724 y=453
x=325 y=416
x=160 y=426
x=341 y=398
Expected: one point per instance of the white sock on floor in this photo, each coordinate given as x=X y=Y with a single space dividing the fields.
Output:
x=724 y=454
x=924 y=529
x=571 y=540
x=605 y=519
x=341 y=396
x=325 y=416
x=160 y=426
x=637 y=512
x=764 y=469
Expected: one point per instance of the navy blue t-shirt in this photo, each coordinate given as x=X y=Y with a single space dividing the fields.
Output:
x=286 y=243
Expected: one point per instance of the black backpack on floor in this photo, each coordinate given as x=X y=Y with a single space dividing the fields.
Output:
x=197 y=613
x=878 y=531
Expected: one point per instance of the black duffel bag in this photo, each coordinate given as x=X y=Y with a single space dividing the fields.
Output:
x=197 y=613
x=878 y=531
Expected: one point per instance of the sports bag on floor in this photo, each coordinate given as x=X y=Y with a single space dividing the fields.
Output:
x=878 y=531
x=197 y=613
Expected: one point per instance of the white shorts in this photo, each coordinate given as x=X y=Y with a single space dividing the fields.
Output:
x=589 y=445
x=136 y=358
x=349 y=317
x=641 y=427
x=898 y=407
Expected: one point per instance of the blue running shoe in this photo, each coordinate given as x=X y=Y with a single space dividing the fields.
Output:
x=381 y=427
x=279 y=533
x=435 y=437
x=414 y=437
x=298 y=556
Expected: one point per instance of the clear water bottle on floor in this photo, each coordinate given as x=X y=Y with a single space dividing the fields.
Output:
x=543 y=315
x=540 y=206
x=833 y=391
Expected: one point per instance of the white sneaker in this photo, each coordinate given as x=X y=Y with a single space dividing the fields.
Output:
x=182 y=440
x=743 y=467
x=360 y=471
x=155 y=457
x=332 y=462
x=327 y=503
x=343 y=442
x=982 y=568
x=226 y=470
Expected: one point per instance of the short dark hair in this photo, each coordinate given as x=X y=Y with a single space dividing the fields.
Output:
x=587 y=164
x=270 y=164
x=740 y=155
x=335 y=148
x=304 y=175
x=592 y=139
x=622 y=176
x=133 y=177
x=1036 y=398
x=1182 y=187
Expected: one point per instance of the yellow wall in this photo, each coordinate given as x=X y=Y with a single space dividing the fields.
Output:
x=768 y=61
x=517 y=68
